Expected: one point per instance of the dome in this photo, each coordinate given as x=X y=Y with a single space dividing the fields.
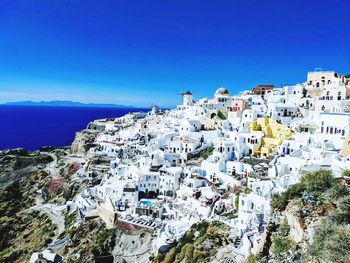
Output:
x=221 y=92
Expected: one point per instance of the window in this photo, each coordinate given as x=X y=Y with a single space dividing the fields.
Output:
x=339 y=95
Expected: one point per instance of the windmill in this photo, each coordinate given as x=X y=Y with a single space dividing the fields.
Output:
x=181 y=94
x=182 y=91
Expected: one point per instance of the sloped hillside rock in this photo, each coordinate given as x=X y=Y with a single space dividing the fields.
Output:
x=22 y=230
x=15 y=165
x=17 y=151
x=132 y=247
x=297 y=233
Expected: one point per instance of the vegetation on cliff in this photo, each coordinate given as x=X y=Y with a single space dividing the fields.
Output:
x=331 y=240
x=321 y=206
x=320 y=184
x=89 y=240
x=22 y=230
x=200 y=242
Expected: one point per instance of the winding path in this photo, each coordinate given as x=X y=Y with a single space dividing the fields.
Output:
x=54 y=212
x=51 y=167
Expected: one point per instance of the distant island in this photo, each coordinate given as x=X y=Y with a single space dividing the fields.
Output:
x=60 y=103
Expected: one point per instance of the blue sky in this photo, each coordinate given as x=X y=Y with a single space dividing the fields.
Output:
x=145 y=52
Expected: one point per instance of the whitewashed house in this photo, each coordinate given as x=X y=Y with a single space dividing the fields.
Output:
x=169 y=180
x=334 y=127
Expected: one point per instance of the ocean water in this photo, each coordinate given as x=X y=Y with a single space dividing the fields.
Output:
x=31 y=127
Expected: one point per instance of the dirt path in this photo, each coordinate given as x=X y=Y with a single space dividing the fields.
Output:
x=51 y=168
x=54 y=212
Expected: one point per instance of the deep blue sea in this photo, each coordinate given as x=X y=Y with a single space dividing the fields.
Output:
x=31 y=127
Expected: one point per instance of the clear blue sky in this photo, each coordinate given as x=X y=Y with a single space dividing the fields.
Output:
x=144 y=52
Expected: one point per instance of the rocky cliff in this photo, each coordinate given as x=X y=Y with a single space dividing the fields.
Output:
x=83 y=141
x=310 y=222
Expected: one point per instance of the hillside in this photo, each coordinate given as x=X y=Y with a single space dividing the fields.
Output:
x=310 y=224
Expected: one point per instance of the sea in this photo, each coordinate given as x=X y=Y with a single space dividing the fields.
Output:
x=31 y=127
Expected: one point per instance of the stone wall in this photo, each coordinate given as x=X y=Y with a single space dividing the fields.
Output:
x=109 y=217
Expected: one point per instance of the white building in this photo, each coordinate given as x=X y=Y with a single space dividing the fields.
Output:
x=253 y=209
x=183 y=145
x=320 y=78
x=334 y=127
x=148 y=184
x=169 y=180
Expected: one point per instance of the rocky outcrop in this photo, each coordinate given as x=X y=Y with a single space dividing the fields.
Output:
x=296 y=231
x=47 y=149
x=17 y=151
x=132 y=247
x=84 y=140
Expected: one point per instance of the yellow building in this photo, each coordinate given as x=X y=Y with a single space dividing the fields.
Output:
x=272 y=135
